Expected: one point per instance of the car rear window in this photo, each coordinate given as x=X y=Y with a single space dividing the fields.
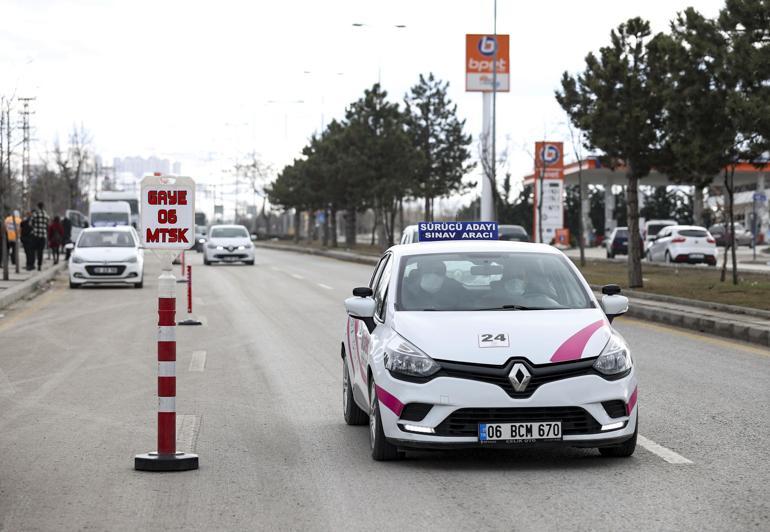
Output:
x=702 y=233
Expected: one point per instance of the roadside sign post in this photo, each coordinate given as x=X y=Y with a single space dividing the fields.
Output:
x=167 y=227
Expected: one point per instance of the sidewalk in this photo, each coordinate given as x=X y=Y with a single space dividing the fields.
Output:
x=740 y=323
x=20 y=285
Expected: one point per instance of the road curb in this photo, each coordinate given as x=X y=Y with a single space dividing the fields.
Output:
x=25 y=288
x=642 y=305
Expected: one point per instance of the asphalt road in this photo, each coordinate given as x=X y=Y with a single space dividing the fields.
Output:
x=262 y=407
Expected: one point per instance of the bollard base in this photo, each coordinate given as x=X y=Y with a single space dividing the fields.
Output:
x=181 y=280
x=165 y=462
x=189 y=321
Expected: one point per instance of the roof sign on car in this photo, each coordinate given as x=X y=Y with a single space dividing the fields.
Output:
x=438 y=231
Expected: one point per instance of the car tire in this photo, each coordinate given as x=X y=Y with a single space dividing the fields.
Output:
x=206 y=261
x=353 y=414
x=668 y=258
x=74 y=285
x=250 y=262
x=625 y=449
x=382 y=449
x=610 y=255
x=140 y=284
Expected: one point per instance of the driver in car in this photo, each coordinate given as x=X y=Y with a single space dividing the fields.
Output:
x=428 y=287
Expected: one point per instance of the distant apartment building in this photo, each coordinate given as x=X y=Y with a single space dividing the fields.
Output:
x=138 y=166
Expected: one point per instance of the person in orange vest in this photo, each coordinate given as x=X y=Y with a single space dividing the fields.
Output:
x=12 y=229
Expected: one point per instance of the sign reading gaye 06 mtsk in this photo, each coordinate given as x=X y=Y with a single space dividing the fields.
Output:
x=168 y=212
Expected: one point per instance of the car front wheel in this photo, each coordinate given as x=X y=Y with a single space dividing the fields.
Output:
x=382 y=449
x=353 y=414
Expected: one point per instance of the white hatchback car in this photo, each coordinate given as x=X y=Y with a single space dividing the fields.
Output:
x=107 y=255
x=683 y=243
x=228 y=243
x=488 y=343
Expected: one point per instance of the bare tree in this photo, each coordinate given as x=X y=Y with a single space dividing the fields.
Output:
x=72 y=164
x=577 y=141
x=258 y=175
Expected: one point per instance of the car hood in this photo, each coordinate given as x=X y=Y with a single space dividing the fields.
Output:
x=239 y=241
x=541 y=336
x=105 y=254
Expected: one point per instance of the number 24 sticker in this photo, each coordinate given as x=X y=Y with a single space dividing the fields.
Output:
x=493 y=340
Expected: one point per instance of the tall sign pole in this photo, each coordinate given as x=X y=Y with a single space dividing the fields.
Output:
x=167 y=227
x=487 y=70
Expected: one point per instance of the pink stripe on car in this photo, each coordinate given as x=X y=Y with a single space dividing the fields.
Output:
x=572 y=348
x=390 y=401
x=631 y=403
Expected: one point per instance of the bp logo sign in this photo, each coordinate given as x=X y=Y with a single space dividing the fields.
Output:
x=487 y=45
x=549 y=154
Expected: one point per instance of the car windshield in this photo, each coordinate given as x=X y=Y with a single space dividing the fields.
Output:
x=489 y=281
x=693 y=232
x=107 y=219
x=654 y=229
x=106 y=239
x=229 y=232
x=621 y=233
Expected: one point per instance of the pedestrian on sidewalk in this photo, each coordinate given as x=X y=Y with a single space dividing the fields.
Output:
x=12 y=223
x=27 y=241
x=55 y=238
x=39 y=221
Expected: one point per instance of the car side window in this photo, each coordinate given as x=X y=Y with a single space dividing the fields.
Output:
x=381 y=291
x=377 y=271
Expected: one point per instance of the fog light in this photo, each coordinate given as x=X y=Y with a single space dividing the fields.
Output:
x=78 y=275
x=614 y=426
x=417 y=428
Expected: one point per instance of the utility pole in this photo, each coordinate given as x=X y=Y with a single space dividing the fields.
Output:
x=493 y=174
x=25 y=152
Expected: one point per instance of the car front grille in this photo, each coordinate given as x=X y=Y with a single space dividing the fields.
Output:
x=465 y=421
x=92 y=270
x=498 y=375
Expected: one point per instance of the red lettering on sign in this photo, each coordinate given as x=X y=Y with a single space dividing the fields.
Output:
x=171 y=235
x=167 y=197
x=167 y=216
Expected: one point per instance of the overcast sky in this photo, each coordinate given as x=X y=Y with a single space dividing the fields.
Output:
x=202 y=82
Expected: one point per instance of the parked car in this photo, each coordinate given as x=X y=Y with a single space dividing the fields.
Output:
x=743 y=237
x=200 y=238
x=617 y=243
x=78 y=222
x=514 y=233
x=651 y=230
x=683 y=243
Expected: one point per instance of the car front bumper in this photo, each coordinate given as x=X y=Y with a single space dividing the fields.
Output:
x=225 y=255
x=84 y=273
x=458 y=398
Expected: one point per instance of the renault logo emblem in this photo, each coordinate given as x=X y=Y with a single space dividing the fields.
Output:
x=519 y=376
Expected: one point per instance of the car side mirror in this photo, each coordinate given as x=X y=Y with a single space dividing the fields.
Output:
x=253 y=237
x=69 y=246
x=361 y=306
x=613 y=303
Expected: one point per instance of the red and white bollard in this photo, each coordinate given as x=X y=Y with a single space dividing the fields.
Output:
x=182 y=268
x=189 y=319
x=166 y=458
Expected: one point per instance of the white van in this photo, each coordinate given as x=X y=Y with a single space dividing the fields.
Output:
x=109 y=213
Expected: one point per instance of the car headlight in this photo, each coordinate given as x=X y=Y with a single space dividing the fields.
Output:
x=241 y=247
x=615 y=358
x=201 y=241
x=404 y=358
x=77 y=259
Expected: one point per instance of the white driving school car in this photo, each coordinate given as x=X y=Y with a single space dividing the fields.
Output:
x=107 y=255
x=228 y=243
x=486 y=343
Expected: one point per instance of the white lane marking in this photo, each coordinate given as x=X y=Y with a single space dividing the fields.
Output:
x=297 y=276
x=325 y=286
x=198 y=301
x=198 y=361
x=667 y=454
x=187 y=427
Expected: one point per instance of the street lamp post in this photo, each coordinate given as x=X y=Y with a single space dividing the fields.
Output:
x=363 y=25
